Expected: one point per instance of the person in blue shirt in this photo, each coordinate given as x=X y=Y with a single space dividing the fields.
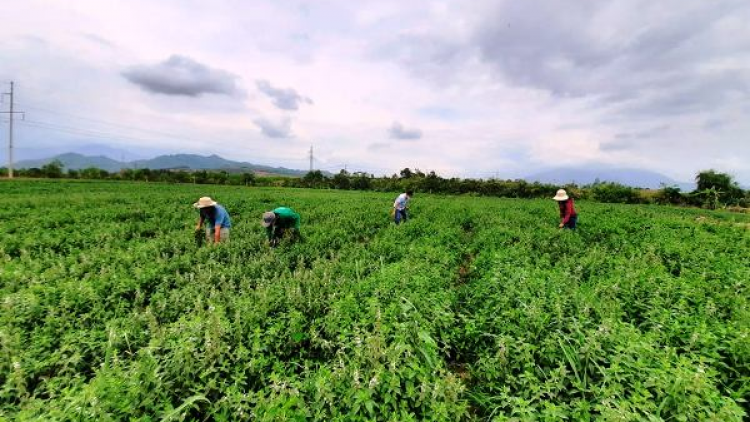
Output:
x=216 y=219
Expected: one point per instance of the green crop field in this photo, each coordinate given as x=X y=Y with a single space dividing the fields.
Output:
x=475 y=309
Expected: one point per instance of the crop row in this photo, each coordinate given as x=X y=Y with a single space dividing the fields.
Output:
x=475 y=309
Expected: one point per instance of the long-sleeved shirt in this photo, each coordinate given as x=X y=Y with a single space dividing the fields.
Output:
x=286 y=218
x=567 y=210
x=401 y=202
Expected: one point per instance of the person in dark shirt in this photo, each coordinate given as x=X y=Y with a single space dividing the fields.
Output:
x=278 y=221
x=568 y=215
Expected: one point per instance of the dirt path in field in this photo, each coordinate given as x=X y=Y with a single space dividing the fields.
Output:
x=457 y=363
x=464 y=269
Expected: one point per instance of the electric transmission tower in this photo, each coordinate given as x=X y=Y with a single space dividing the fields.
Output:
x=11 y=113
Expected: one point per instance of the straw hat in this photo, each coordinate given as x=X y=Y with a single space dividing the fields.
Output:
x=205 y=202
x=561 y=195
x=268 y=219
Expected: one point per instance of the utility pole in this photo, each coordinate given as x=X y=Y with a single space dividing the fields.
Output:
x=10 y=114
x=311 y=158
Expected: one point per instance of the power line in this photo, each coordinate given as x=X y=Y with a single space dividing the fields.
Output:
x=106 y=123
x=99 y=132
x=11 y=114
x=112 y=136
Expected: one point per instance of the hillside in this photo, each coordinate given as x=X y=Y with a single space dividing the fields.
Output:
x=583 y=176
x=76 y=161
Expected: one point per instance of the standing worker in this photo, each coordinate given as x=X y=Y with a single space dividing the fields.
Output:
x=401 y=205
x=216 y=219
x=568 y=215
x=278 y=221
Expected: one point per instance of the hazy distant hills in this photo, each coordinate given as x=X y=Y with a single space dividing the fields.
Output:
x=630 y=177
x=76 y=161
x=559 y=176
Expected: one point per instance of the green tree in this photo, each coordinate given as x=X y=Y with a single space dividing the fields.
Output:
x=708 y=179
x=94 y=173
x=314 y=179
x=616 y=193
x=341 y=180
x=53 y=169
x=715 y=187
x=362 y=181
x=248 y=178
x=669 y=195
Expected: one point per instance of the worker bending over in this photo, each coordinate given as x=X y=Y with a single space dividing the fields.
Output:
x=278 y=221
x=216 y=219
x=401 y=205
x=568 y=214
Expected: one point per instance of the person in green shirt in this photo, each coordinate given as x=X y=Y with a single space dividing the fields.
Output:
x=278 y=221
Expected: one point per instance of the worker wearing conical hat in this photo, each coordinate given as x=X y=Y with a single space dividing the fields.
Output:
x=568 y=214
x=216 y=219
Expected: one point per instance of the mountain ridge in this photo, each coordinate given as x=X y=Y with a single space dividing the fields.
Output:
x=76 y=161
x=638 y=178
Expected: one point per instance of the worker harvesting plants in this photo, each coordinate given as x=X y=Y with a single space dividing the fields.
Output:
x=216 y=219
x=568 y=215
x=401 y=205
x=280 y=221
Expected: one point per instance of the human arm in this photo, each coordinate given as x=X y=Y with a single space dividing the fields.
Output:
x=217 y=233
x=200 y=223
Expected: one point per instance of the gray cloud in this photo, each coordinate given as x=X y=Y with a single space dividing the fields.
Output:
x=715 y=124
x=378 y=146
x=654 y=65
x=634 y=140
x=98 y=40
x=677 y=59
x=427 y=55
x=282 y=129
x=557 y=45
x=285 y=99
x=398 y=131
x=179 y=75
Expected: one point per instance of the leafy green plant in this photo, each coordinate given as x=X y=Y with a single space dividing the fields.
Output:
x=475 y=309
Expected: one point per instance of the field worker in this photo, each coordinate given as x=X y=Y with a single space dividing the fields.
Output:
x=216 y=219
x=568 y=215
x=278 y=221
x=401 y=205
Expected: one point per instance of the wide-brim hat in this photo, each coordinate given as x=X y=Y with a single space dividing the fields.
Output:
x=268 y=219
x=205 y=202
x=561 y=195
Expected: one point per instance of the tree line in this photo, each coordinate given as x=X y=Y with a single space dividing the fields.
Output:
x=713 y=189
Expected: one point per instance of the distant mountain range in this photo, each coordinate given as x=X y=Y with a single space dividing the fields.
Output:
x=77 y=161
x=559 y=176
x=630 y=177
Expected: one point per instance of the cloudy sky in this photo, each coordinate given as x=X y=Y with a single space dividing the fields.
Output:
x=474 y=88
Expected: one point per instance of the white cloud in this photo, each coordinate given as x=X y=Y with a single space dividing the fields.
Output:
x=489 y=86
